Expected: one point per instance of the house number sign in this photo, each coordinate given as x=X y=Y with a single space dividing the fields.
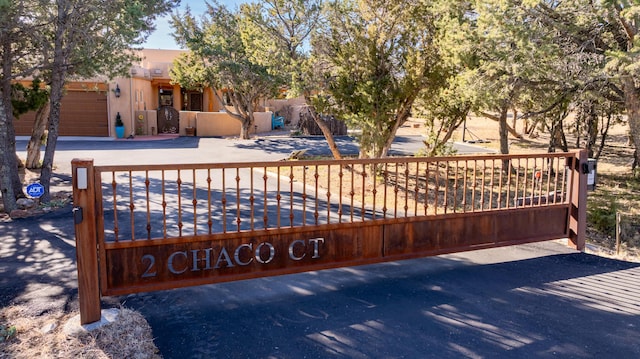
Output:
x=195 y=260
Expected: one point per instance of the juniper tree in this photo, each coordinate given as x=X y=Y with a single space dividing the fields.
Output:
x=216 y=41
x=379 y=56
x=57 y=40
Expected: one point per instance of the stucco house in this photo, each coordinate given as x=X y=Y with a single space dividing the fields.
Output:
x=148 y=105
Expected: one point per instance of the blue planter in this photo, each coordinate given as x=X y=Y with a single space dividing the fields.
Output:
x=120 y=131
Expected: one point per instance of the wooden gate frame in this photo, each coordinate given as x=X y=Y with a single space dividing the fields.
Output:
x=339 y=245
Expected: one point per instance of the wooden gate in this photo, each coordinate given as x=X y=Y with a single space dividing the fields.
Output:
x=154 y=227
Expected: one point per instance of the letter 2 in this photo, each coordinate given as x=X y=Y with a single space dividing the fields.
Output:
x=152 y=262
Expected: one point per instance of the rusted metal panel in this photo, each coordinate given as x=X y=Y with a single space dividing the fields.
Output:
x=162 y=266
x=438 y=234
x=532 y=224
x=207 y=259
x=446 y=234
x=161 y=214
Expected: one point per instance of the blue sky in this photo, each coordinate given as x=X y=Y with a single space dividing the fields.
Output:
x=162 y=39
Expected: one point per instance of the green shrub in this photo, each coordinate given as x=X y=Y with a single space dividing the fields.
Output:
x=6 y=332
x=603 y=216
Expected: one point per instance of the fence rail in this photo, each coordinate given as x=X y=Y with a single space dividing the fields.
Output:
x=168 y=201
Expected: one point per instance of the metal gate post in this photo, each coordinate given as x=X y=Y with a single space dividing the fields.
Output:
x=84 y=212
x=578 y=210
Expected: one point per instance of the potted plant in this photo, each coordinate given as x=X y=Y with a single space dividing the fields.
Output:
x=119 y=126
x=190 y=130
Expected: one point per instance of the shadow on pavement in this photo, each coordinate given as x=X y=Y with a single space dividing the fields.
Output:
x=441 y=307
x=84 y=145
x=315 y=145
x=37 y=262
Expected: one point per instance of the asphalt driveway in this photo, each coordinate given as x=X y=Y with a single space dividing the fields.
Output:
x=536 y=300
x=106 y=151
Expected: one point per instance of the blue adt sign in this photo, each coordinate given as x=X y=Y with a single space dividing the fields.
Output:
x=35 y=190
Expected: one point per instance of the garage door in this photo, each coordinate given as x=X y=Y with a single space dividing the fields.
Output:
x=81 y=114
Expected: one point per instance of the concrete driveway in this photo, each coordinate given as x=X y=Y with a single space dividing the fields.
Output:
x=536 y=300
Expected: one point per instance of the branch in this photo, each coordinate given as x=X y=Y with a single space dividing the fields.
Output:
x=551 y=107
x=489 y=116
x=497 y=119
x=629 y=30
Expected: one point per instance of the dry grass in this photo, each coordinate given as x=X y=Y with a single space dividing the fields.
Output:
x=615 y=195
x=43 y=337
x=426 y=188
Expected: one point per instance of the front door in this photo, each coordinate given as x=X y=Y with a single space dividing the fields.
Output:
x=165 y=97
x=194 y=101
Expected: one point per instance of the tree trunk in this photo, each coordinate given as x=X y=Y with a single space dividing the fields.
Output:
x=6 y=152
x=10 y=184
x=632 y=104
x=37 y=136
x=503 y=130
x=604 y=130
x=552 y=139
x=577 y=130
x=563 y=138
x=250 y=125
x=245 y=129
x=451 y=125
x=326 y=131
x=52 y=137
x=402 y=115
x=58 y=74
x=592 y=129
x=498 y=119
x=400 y=120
